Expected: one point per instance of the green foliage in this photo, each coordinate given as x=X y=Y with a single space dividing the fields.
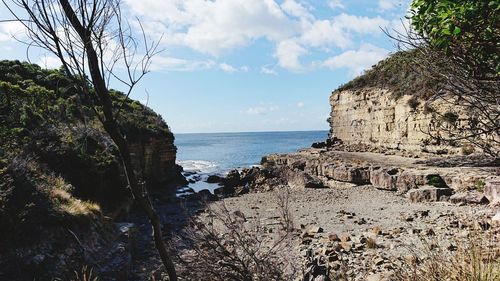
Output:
x=51 y=139
x=469 y=29
x=398 y=73
x=436 y=181
x=479 y=185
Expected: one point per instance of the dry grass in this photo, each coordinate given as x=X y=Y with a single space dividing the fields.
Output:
x=66 y=204
x=475 y=258
x=371 y=243
x=86 y=274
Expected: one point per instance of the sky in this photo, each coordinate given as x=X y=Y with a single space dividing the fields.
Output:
x=247 y=65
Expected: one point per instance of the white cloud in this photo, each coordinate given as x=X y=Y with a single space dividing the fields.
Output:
x=324 y=33
x=261 y=110
x=295 y=9
x=288 y=53
x=300 y=104
x=227 y=68
x=268 y=71
x=231 y=69
x=357 y=60
x=361 y=25
x=212 y=27
x=217 y=26
x=385 y=5
x=334 y=4
x=256 y=110
x=176 y=64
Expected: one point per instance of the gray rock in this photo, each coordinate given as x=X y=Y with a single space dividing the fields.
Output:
x=429 y=194
x=492 y=189
x=470 y=197
x=347 y=173
x=384 y=178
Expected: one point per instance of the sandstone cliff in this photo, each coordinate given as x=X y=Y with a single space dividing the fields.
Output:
x=392 y=106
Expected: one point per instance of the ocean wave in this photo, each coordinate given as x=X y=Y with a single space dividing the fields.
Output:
x=199 y=166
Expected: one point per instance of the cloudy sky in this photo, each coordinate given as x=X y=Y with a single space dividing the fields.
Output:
x=248 y=65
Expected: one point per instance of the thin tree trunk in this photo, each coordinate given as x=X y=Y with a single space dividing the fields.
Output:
x=111 y=127
x=143 y=202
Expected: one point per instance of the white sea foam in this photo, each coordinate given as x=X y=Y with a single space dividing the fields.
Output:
x=199 y=166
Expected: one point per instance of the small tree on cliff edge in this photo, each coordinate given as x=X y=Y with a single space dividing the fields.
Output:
x=459 y=42
x=95 y=44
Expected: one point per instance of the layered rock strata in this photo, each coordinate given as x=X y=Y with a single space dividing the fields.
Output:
x=393 y=173
x=374 y=117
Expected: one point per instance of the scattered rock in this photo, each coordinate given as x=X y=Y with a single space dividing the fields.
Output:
x=378 y=261
x=377 y=230
x=314 y=229
x=344 y=237
x=496 y=218
x=333 y=237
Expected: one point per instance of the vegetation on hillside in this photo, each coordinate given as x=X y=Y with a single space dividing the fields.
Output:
x=398 y=73
x=57 y=165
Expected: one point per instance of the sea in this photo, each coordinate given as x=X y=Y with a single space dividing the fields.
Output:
x=218 y=153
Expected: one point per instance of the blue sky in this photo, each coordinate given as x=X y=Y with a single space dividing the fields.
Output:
x=248 y=65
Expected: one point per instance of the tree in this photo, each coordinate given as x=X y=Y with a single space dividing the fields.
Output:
x=466 y=30
x=94 y=45
x=458 y=43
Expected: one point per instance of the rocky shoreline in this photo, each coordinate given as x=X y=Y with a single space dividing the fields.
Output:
x=365 y=215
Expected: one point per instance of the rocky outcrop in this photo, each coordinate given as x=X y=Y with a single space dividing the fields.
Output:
x=393 y=173
x=154 y=158
x=375 y=118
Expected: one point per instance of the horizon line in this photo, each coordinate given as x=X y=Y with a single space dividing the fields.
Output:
x=239 y=132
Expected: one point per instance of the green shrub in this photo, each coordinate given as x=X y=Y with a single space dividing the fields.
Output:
x=436 y=181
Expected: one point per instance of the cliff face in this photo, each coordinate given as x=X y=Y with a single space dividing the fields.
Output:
x=392 y=106
x=372 y=116
x=154 y=159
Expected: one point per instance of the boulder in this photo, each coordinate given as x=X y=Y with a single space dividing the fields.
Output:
x=214 y=179
x=205 y=194
x=320 y=144
x=233 y=178
x=469 y=197
x=224 y=191
x=492 y=189
x=412 y=179
x=384 y=178
x=300 y=179
x=347 y=173
x=429 y=194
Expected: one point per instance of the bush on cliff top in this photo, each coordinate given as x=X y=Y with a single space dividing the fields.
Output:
x=397 y=73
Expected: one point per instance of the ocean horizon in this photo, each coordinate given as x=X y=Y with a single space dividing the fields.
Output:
x=218 y=153
x=223 y=151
